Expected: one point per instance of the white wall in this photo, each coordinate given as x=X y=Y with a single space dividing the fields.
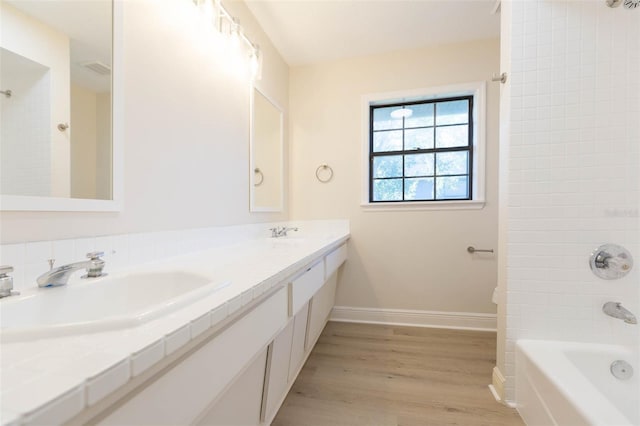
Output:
x=414 y=260
x=574 y=170
x=186 y=130
x=44 y=45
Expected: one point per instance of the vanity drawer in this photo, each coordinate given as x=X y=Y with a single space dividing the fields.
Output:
x=334 y=259
x=305 y=286
x=183 y=393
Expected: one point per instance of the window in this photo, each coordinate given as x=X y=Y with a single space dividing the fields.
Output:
x=424 y=149
x=421 y=151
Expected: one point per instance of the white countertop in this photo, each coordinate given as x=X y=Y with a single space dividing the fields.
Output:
x=54 y=379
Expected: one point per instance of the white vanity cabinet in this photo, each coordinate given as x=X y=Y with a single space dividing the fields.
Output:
x=277 y=377
x=185 y=392
x=300 y=322
x=319 y=311
x=241 y=404
x=242 y=372
x=312 y=296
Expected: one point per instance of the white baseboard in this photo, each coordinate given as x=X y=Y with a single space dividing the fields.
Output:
x=434 y=319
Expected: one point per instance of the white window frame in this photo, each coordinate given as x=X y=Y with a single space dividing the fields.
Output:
x=478 y=91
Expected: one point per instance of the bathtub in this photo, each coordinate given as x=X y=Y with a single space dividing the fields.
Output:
x=567 y=384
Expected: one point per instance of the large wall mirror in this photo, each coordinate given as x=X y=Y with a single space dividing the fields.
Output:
x=266 y=154
x=56 y=142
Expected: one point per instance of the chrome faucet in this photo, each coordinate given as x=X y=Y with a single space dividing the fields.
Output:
x=281 y=231
x=616 y=310
x=60 y=275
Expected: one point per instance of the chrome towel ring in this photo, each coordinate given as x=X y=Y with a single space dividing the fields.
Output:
x=258 y=172
x=324 y=177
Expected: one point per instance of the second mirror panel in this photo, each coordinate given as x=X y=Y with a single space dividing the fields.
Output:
x=266 y=155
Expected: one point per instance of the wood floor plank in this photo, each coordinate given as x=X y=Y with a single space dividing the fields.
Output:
x=375 y=375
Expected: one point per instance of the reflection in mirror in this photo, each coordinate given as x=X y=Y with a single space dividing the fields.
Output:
x=266 y=155
x=55 y=58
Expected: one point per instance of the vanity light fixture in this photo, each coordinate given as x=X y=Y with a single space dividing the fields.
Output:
x=227 y=24
x=401 y=113
x=256 y=63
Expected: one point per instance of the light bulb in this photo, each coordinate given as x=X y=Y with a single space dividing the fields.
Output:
x=256 y=64
x=401 y=113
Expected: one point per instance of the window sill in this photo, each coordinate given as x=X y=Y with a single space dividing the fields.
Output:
x=427 y=205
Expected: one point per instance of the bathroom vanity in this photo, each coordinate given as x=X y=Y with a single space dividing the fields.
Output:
x=229 y=357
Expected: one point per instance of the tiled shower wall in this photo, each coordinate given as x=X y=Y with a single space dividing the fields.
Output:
x=25 y=168
x=574 y=170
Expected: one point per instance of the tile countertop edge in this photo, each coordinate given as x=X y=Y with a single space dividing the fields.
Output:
x=164 y=328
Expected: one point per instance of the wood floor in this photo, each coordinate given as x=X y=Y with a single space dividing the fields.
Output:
x=360 y=374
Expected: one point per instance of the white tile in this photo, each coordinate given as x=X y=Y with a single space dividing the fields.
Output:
x=177 y=339
x=9 y=418
x=12 y=254
x=147 y=357
x=82 y=247
x=234 y=304
x=31 y=273
x=14 y=378
x=58 y=411
x=105 y=245
x=43 y=390
x=64 y=252
x=38 y=252
x=119 y=257
x=108 y=381
x=200 y=325
x=142 y=248
x=95 y=363
x=219 y=314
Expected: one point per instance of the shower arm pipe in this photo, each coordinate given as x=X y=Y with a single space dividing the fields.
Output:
x=7 y=93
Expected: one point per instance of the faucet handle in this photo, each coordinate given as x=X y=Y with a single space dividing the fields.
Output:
x=6 y=281
x=95 y=255
x=94 y=270
x=5 y=269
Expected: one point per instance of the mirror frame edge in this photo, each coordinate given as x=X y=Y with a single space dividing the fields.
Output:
x=33 y=203
x=252 y=207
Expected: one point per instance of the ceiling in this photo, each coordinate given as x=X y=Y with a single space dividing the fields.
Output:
x=310 y=31
x=88 y=25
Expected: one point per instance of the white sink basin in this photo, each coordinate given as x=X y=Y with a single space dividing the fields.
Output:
x=102 y=304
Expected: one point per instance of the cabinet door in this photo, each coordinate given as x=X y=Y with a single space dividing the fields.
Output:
x=278 y=371
x=180 y=395
x=297 y=345
x=319 y=310
x=240 y=404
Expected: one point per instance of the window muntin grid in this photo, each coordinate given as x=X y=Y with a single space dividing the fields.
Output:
x=426 y=156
